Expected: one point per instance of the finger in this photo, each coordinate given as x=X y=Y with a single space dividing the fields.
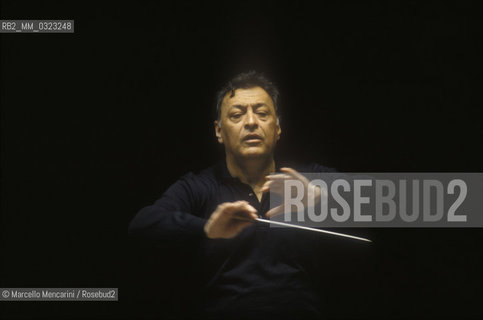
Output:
x=245 y=210
x=251 y=212
x=266 y=186
x=280 y=182
x=232 y=208
x=293 y=173
x=275 y=211
x=277 y=190
x=237 y=205
x=248 y=207
x=239 y=218
x=274 y=185
x=279 y=176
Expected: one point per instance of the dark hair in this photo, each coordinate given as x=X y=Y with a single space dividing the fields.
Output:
x=248 y=80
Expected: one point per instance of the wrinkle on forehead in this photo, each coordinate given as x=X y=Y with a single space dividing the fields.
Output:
x=248 y=97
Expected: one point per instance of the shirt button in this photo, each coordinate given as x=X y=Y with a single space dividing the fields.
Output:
x=250 y=194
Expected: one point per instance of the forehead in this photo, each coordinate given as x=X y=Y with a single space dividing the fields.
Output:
x=247 y=97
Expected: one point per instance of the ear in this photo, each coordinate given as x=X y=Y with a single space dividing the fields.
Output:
x=218 y=131
x=279 y=130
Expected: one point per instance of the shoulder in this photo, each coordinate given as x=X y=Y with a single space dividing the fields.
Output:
x=192 y=189
x=202 y=179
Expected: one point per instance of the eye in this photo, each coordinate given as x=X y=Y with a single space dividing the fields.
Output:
x=235 y=115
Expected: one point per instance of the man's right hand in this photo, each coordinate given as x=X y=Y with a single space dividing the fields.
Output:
x=223 y=222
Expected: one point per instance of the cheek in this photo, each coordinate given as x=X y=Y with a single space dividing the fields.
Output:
x=271 y=130
x=230 y=134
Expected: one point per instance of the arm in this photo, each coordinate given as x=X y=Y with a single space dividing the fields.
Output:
x=174 y=216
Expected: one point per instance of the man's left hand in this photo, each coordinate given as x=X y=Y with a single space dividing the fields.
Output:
x=276 y=183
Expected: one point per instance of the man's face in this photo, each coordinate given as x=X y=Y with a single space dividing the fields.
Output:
x=249 y=126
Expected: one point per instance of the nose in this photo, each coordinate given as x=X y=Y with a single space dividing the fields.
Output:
x=251 y=120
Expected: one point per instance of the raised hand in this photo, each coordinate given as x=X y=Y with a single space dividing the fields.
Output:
x=276 y=183
x=229 y=219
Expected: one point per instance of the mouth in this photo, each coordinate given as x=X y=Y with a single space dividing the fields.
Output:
x=252 y=138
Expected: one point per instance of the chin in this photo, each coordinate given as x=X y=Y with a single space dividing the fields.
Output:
x=254 y=153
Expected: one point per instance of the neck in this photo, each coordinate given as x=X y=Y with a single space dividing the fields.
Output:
x=251 y=171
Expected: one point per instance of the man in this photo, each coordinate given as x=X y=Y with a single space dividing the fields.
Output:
x=247 y=269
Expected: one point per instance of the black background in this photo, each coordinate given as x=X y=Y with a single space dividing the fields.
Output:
x=97 y=124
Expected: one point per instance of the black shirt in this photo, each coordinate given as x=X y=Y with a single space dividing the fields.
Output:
x=262 y=271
